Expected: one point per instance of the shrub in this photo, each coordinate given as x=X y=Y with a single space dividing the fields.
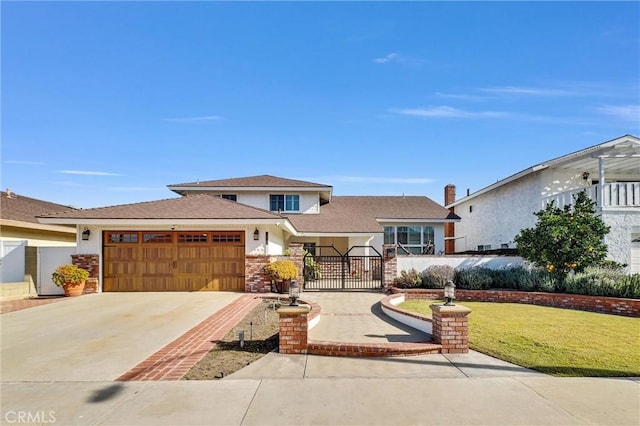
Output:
x=513 y=278
x=281 y=270
x=436 y=276
x=599 y=281
x=473 y=279
x=69 y=274
x=408 y=279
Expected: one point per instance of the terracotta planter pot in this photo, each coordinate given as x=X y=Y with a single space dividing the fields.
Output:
x=73 y=289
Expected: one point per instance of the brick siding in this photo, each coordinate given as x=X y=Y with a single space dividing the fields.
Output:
x=606 y=305
x=90 y=262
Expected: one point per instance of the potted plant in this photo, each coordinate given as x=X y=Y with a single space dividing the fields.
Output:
x=282 y=272
x=71 y=278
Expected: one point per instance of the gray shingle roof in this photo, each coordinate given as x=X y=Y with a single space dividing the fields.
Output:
x=200 y=206
x=25 y=209
x=252 y=181
x=360 y=213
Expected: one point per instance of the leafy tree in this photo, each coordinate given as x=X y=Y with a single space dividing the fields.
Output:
x=565 y=239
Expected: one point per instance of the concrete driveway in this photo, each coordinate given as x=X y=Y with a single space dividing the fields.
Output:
x=98 y=337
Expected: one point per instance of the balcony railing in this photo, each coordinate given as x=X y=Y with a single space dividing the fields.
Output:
x=619 y=194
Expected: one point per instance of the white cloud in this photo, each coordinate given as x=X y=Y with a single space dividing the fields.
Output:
x=398 y=59
x=391 y=57
x=448 y=112
x=623 y=112
x=203 y=118
x=530 y=91
x=87 y=173
x=460 y=97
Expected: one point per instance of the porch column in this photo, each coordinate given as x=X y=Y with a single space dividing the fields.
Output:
x=600 y=182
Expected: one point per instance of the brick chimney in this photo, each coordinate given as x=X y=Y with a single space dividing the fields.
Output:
x=449 y=194
x=449 y=228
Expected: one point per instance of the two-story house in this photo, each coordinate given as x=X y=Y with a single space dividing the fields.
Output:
x=214 y=235
x=608 y=172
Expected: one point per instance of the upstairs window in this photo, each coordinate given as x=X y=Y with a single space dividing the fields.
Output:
x=284 y=203
x=411 y=239
x=231 y=197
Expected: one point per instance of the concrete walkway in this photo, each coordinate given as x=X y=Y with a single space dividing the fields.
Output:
x=356 y=317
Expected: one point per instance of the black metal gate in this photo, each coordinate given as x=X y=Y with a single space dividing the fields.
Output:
x=360 y=268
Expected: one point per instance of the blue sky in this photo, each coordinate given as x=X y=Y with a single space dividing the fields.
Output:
x=107 y=103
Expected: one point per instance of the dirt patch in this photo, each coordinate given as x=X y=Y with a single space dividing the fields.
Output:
x=260 y=328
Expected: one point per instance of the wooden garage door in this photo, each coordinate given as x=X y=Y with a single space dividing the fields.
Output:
x=173 y=261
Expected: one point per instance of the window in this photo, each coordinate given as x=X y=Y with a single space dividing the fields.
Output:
x=389 y=234
x=284 y=203
x=192 y=237
x=411 y=239
x=150 y=238
x=227 y=237
x=123 y=237
x=484 y=247
x=231 y=197
x=310 y=248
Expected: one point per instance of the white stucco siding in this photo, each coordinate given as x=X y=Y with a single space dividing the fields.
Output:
x=497 y=216
x=624 y=226
x=309 y=201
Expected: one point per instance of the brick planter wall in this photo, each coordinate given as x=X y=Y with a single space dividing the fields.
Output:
x=90 y=262
x=606 y=305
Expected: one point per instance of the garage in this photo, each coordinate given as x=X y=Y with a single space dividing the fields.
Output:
x=173 y=260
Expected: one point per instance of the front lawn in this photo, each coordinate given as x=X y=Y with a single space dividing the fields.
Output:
x=555 y=341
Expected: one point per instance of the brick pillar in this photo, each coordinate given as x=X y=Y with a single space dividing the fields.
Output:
x=294 y=326
x=295 y=255
x=256 y=281
x=90 y=262
x=451 y=328
x=390 y=264
x=449 y=227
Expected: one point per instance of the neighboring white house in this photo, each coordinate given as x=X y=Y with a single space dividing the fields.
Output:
x=212 y=236
x=608 y=172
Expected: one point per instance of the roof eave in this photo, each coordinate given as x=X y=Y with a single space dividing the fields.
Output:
x=163 y=221
x=37 y=226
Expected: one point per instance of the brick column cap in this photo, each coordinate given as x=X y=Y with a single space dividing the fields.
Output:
x=293 y=310
x=450 y=309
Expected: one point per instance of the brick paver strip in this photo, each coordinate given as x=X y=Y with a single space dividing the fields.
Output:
x=7 y=306
x=174 y=360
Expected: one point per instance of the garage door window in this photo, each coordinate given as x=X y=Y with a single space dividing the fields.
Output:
x=123 y=237
x=227 y=238
x=155 y=238
x=192 y=238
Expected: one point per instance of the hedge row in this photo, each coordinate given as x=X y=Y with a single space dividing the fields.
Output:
x=595 y=281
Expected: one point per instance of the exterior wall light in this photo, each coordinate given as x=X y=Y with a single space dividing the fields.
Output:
x=86 y=234
x=585 y=175
x=256 y=235
x=294 y=292
x=449 y=293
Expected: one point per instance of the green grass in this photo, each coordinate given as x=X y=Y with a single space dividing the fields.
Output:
x=560 y=342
